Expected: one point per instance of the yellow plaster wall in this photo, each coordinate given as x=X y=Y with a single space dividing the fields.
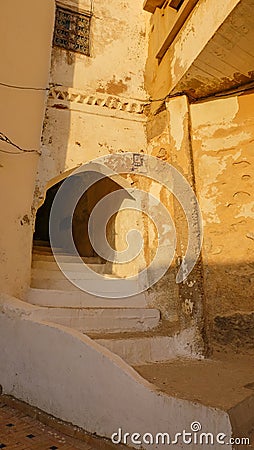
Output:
x=222 y=139
x=118 y=44
x=76 y=132
x=25 y=44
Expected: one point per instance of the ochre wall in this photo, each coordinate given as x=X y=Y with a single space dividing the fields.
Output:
x=26 y=32
x=101 y=108
x=222 y=140
x=91 y=122
x=168 y=134
x=211 y=144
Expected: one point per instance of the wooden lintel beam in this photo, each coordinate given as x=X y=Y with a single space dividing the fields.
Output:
x=151 y=5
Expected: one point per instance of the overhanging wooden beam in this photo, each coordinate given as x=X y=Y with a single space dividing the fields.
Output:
x=151 y=5
x=175 y=3
x=186 y=8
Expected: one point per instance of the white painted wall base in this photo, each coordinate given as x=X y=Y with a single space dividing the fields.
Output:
x=66 y=374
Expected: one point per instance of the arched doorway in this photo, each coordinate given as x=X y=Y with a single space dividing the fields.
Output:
x=81 y=215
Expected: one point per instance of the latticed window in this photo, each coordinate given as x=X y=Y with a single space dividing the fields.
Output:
x=72 y=30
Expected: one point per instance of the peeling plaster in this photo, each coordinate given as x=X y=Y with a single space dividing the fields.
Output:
x=212 y=167
x=223 y=136
x=247 y=210
x=228 y=110
x=227 y=142
x=177 y=123
x=209 y=206
x=155 y=189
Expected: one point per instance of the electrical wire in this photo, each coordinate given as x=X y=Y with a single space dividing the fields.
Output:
x=146 y=101
x=10 y=153
x=91 y=6
x=12 y=86
x=30 y=88
x=5 y=139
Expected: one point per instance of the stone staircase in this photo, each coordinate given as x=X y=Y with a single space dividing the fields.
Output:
x=161 y=354
x=50 y=287
x=125 y=326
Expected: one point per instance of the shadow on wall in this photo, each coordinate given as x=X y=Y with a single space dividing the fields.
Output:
x=229 y=288
x=229 y=297
x=62 y=50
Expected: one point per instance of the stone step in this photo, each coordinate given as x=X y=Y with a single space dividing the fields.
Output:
x=66 y=258
x=39 y=275
x=108 y=320
x=80 y=299
x=112 y=287
x=150 y=347
x=43 y=249
x=48 y=249
x=41 y=265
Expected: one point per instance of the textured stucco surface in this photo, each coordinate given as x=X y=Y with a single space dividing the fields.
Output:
x=211 y=145
x=25 y=48
x=223 y=134
x=75 y=133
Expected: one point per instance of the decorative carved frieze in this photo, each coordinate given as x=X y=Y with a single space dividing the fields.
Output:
x=65 y=96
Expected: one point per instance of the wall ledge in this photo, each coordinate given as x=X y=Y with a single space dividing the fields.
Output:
x=69 y=95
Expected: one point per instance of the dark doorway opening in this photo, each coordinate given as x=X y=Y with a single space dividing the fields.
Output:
x=80 y=218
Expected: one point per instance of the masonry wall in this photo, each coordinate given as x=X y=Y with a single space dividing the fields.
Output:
x=168 y=134
x=211 y=145
x=98 y=107
x=222 y=140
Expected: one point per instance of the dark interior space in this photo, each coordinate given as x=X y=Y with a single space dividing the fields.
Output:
x=80 y=218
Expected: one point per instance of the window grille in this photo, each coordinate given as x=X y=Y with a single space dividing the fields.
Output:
x=72 y=30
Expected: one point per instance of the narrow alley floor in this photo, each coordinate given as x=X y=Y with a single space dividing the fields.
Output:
x=222 y=381
x=21 y=432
